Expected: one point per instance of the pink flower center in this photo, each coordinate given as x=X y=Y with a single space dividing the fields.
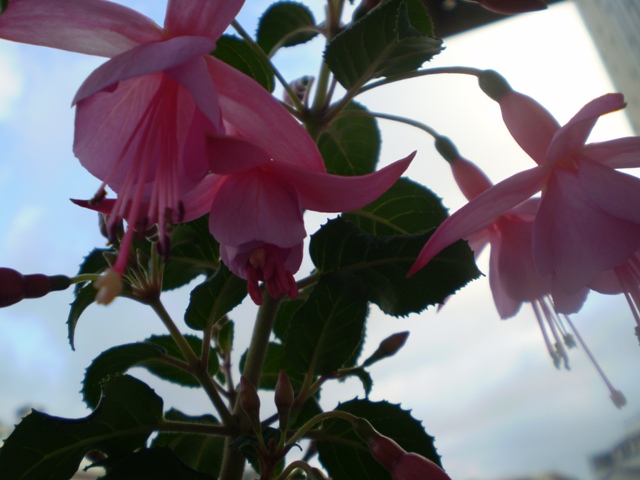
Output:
x=265 y=264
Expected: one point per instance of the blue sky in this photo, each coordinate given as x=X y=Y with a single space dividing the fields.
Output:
x=485 y=388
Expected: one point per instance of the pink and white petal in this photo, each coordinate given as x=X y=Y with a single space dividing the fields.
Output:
x=94 y=27
x=105 y=206
x=470 y=179
x=616 y=193
x=197 y=201
x=618 y=153
x=206 y=18
x=480 y=212
x=234 y=154
x=256 y=206
x=257 y=116
x=574 y=239
x=323 y=192
x=529 y=123
x=143 y=60
x=569 y=303
x=572 y=136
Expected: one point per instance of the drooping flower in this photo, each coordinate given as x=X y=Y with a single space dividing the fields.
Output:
x=509 y=7
x=586 y=222
x=513 y=277
x=257 y=196
x=142 y=116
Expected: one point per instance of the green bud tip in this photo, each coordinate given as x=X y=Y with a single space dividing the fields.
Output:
x=493 y=84
x=447 y=149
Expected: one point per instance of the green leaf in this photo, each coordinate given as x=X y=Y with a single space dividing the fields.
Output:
x=3 y=5
x=241 y=56
x=406 y=208
x=283 y=318
x=285 y=24
x=154 y=464
x=351 y=144
x=394 y=38
x=382 y=263
x=214 y=298
x=200 y=452
x=345 y=461
x=194 y=252
x=115 y=361
x=84 y=297
x=93 y=263
x=326 y=332
x=276 y=360
x=169 y=372
x=44 y=446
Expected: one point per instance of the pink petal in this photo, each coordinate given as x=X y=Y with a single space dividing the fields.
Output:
x=323 y=192
x=529 y=123
x=94 y=27
x=143 y=60
x=569 y=303
x=470 y=179
x=256 y=206
x=148 y=118
x=572 y=136
x=234 y=154
x=481 y=212
x=618 y=153
x=507 y=306
x=257 y=116
x=206 y=18
x=574 y=239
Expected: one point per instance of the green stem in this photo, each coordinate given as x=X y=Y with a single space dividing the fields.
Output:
x=421 y=73
x=198 y=428
x=394 y=118
x=85 y=277
x=298 y=464
x=233 y=461
x=176 y=334
x=317 y=419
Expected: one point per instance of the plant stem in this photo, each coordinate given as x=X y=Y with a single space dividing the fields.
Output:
x=233 y=461
x=317 y=419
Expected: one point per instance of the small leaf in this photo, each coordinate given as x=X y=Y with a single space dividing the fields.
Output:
x=406 y=208
x=242 y=57
x=285 y=24
x=276 y=360
x=43 y=446
x=351 y=143
x=214 y=298
x=84 y=297
x=200 y=452
x=326 y=332
x=382 y=263
x=154 y=464
x=346 y=461
x=392 y=39
x=194 y=252
x=93 y=263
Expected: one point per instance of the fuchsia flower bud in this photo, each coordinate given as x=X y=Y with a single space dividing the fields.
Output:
x=15 y=287
x=401 y=464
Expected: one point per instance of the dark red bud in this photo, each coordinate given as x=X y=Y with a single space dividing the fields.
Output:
x=249 y=401
x=412 y=466
x=15 y=287
x=284 y=397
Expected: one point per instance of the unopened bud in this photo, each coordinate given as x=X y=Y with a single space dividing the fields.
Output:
x=493 y=84
x=387 y=348
x=284 y=398
x=301 y=88
x=15 y=287
x=250 y=402
x=447 y=149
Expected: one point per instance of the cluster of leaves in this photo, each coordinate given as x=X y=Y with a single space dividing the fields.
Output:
x=360 y=258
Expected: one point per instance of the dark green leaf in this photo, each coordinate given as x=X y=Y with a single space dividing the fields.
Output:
x=283 y=317
x=351 y=144
x=84 y=297
x=200 y=452
x=116 y=360
x=171 y=373
x=344 y=461
x=214 y=298
x=394 y=38
x=326 y=332
x=93 y=263
x=382 y=264
x=406 y=208
x=194 y=252
x=285 y=24
x=154 y=464
x=43 y=446
x=276 y=360
x=242 y=57
x=3 y=5
x=365 y=378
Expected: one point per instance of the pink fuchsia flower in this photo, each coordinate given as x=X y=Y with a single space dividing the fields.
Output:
x=513 y=277
x=257 y=197
x=396 y=460
x=585 y=223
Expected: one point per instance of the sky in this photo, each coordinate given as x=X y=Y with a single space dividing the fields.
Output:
x=485 y=388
